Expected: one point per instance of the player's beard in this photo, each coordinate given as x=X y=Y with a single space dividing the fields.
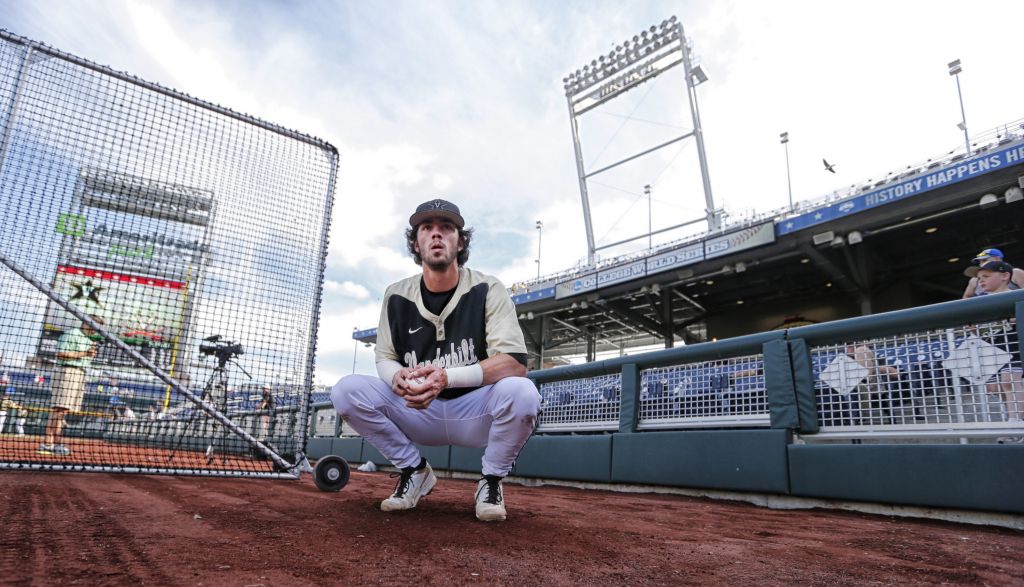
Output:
x=440 y=263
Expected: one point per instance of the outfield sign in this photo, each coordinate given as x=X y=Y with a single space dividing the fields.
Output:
x=949 y=175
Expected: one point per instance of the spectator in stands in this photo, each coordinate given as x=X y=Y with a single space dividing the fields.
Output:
x=995 y=277
x=75 y=351
x=974 y=288
x=873 y=393
x=267 y=419
x=8 y=405
x=451 y=361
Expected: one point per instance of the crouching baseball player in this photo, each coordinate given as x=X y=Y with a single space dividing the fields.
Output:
x=451 y=364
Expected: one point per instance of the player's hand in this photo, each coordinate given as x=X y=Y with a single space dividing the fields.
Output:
x=400 y=383
x=425 y=384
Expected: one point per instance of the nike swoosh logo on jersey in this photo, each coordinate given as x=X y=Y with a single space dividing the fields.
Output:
x=411 y=331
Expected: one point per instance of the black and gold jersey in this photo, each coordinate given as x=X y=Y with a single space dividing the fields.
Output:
x=479 y=321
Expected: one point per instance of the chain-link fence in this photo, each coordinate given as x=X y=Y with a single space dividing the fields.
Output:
x=162 y=268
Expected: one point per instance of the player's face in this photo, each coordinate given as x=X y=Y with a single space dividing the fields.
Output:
x=992 y=280
x=437 y=241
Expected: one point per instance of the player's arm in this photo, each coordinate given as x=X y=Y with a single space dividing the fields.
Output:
x=501 y=366
x=69 y=355
x=388 y=368
x=971 y=286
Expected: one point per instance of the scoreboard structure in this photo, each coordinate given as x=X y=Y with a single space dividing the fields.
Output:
x=134 y=252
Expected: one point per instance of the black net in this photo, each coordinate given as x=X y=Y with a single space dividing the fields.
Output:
x=161 y=277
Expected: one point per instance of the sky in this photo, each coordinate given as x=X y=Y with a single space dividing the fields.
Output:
x=464 y=101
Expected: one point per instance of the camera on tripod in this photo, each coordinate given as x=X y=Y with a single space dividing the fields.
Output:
x=224 y=350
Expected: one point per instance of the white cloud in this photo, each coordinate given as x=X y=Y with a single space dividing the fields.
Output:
x=347 y=289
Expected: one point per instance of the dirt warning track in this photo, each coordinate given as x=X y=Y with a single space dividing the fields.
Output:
x=108 y=529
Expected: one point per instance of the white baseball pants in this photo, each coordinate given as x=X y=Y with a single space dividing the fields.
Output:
x=500 y=417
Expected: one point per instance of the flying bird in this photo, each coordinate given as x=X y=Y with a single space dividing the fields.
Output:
x=829 y=167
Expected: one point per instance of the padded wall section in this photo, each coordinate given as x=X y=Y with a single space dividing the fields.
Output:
x=437 y=456
x=779 y=387
x=803 y=385
x=318 y=447
x=465 y=459
x=350 y=449
x=576 y=458
x=979 y=477
x=740 y=460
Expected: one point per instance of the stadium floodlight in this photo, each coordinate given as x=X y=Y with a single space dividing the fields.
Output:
x=633 y=62
x=854 y=237
x=1014 y=194
x=698 y=75
x=954 y=70
x=988 y=201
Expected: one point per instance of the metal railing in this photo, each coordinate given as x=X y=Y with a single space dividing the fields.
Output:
x=950 y=370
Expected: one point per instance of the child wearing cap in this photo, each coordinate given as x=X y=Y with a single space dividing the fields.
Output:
x=984 y=257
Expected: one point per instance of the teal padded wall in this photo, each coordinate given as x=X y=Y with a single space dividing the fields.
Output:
x=740 y=460
x=980 y=477
x=779 y=386
x=437 y=456
x=465 y=459
x=577 y=458
x=350 y=449
x=318 y=447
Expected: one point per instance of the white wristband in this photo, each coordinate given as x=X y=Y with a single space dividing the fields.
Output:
x=387 y=369
x=469 y=376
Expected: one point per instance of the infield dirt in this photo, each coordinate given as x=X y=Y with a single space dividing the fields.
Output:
x=108 y=529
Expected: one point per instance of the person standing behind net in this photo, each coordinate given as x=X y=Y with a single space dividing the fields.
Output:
x=451 y=361
x=9 y=406
x=267 y=418
x=75 y=351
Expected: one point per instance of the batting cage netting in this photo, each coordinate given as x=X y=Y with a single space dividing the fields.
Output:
x=162 y=261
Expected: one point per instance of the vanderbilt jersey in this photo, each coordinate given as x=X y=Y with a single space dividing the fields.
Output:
x=478 y=322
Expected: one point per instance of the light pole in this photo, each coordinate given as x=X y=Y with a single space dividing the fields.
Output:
x=540 y=234
x=954 y=70
x=647 y=192
x=355 y=351
x=784 y=138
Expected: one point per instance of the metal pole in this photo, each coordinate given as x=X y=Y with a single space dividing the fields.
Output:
x=691 y=95
x=789 y=182
x=963 y=116
x=540 y=235
x=355 y=351
x=583 y=182
x=650 y=228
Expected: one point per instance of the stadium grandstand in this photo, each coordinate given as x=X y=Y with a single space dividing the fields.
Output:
x=897 y=241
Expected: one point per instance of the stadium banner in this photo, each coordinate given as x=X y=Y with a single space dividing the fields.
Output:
x=622 y=273
x=748 y=238
x=680 y=257
x=577 y=286
x=942 y=177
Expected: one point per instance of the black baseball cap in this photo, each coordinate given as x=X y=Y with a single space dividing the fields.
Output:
x=997 y=266
x=442 y=208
